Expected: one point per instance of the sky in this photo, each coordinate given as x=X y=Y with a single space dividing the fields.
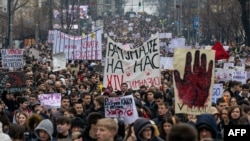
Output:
x=135 y=5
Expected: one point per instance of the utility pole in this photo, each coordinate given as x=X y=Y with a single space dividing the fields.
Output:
x=79 y=19
x=37 y=23
x=180 y=24
x=175 y=26
x=11 y=12
x=50 y=15
x=198 y=13
x=132 y=5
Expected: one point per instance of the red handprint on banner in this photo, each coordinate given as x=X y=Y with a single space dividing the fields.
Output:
x=193 y=89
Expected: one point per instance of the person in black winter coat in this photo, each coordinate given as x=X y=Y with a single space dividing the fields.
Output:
x=207 y=127
x=10 y=100
x=89 y=133
x=144 y=130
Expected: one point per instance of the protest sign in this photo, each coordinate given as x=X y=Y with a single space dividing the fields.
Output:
x=78 y=47
x=166 y=63
x=193 y=80
x=217 y=92
x=136 y=67
x=59 y=61
x=16 y=80
x=49 y=101
x=223 y=74
x=12 y=58
x=240 y=76
x=121 y=107
x=177 y=43
x=228 y=65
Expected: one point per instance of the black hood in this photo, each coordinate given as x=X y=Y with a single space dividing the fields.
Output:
x=139 y=125
x=208 y=121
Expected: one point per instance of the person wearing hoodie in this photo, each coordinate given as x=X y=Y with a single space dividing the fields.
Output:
x=44 y=131
x=207 y=127
x=144 y=130
x=3 y=136
x=32 y=123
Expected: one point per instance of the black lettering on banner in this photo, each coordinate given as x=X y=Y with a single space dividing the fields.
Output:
x=13 y=64
x=153 y=59
x=142 y=51
x=138 y=63
x=203 y=109
x=112 y=50
x=151 y=45
x=147 y=62
x=127 y=55
x=114 y=65
x=237 y=132
x=136 y=54
x=126 y=101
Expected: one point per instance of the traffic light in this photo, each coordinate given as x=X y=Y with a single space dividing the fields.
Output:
x=139 y=4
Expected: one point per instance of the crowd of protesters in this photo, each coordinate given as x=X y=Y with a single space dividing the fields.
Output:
x=82 y=116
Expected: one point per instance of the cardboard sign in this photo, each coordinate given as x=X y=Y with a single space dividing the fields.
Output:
x=16 y=80
x=121 y=107
x=217 y=92
x=193 y=80
x=59 y=61
x=49 y=101
x=12 y=58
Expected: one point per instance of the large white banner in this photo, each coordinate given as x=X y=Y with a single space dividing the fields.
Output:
x=78 y=47
x=12 y=58
x=136 y=67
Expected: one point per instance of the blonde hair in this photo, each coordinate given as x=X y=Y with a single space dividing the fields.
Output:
x=156 y=130
x=75 y=135
x=108 y=123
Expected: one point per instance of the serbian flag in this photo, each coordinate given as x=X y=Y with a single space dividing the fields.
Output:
x=220 y=52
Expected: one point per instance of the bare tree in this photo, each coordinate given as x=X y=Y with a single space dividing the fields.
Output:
x=245 y=18
x=14 y=5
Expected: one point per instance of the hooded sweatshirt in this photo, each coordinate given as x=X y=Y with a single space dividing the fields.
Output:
x=45 y=125
x=141 y=124
x=207 y=121
x=3 y=136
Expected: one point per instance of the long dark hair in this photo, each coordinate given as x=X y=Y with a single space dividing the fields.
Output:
x=173 y=120
x=16 y=131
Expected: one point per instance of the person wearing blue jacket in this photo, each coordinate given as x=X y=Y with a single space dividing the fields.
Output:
x=207 y=127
